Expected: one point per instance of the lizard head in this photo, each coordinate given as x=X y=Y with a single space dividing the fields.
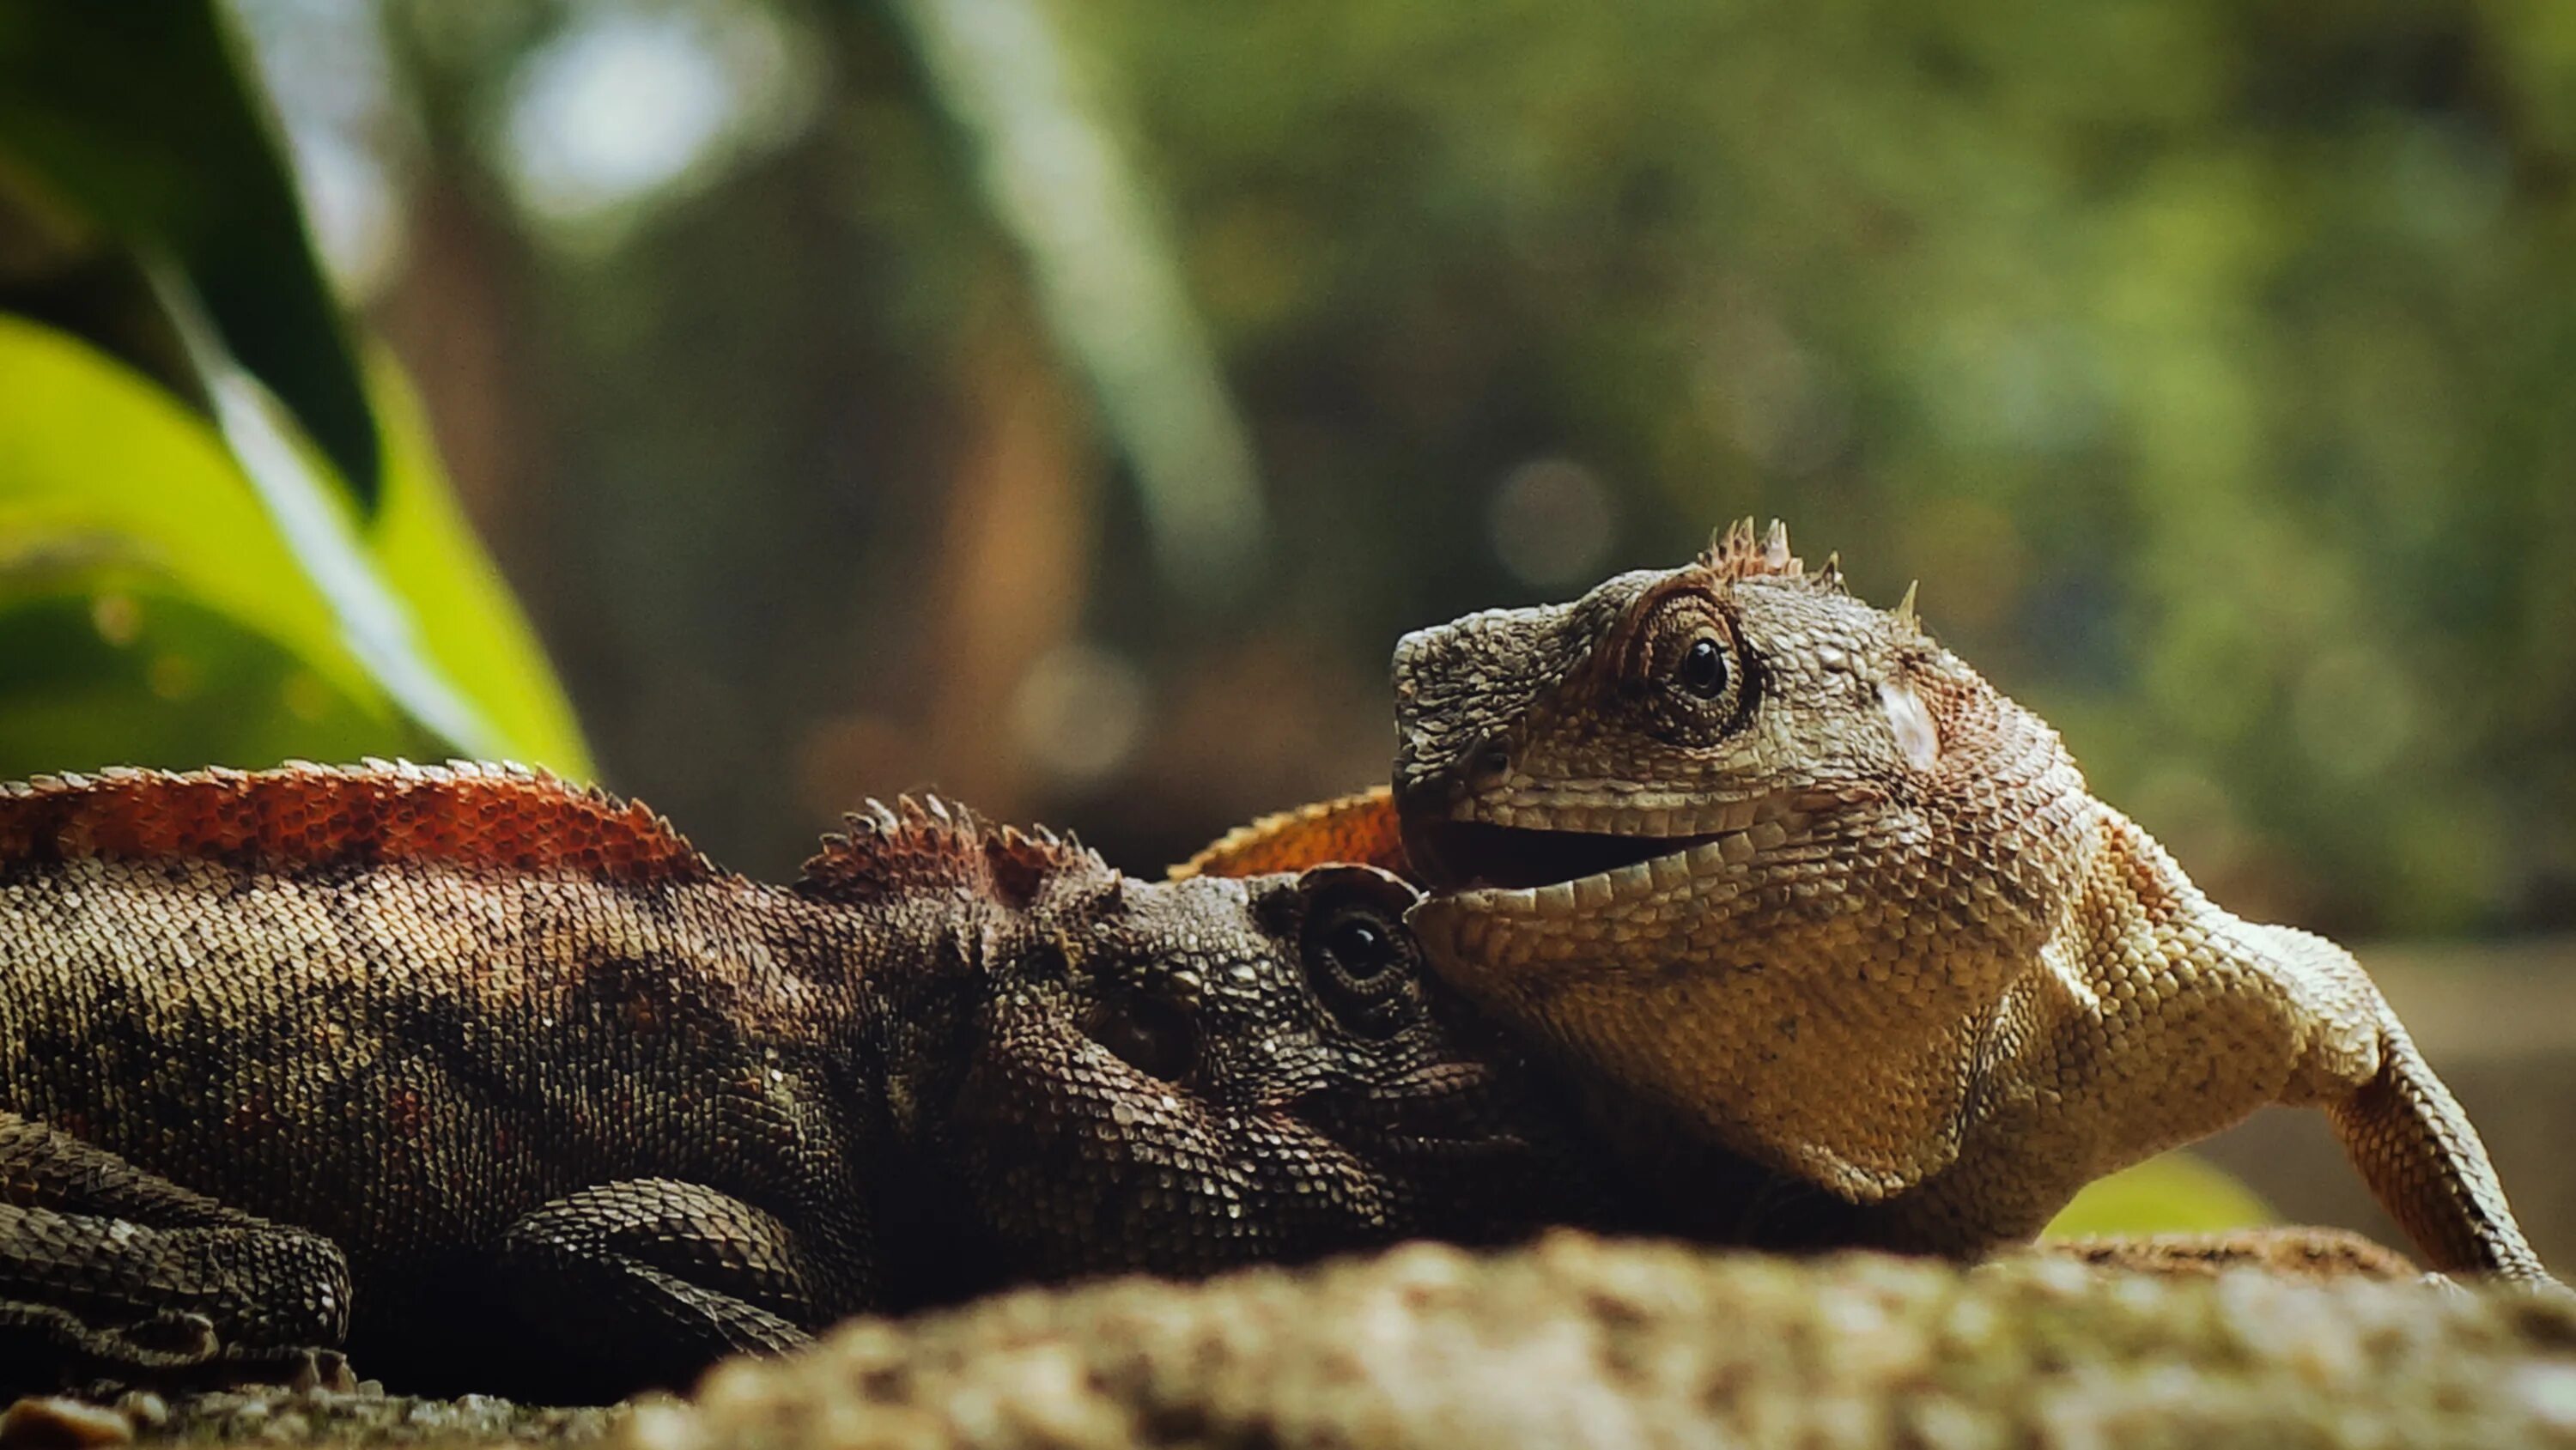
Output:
x=1181 y=1076
x=1712 y=774
x=1711 y=714
x=1194 y=1074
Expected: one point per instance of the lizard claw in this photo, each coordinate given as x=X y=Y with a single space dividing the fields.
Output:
x=322 y=1369
x=175 y=1339
x=2445 y=1285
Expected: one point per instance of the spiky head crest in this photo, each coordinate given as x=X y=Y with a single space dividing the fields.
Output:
x=1734 y=554
x=925 y=843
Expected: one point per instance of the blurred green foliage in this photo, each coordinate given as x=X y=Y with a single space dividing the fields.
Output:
x=182 y=579
x=2207 y=361
x=130 y=129
x=2174 y=1193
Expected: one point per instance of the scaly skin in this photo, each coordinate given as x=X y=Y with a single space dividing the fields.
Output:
x=501 y=1084
x=1735 y=842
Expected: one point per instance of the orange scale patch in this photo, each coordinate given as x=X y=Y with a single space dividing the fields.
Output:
x=316 y=815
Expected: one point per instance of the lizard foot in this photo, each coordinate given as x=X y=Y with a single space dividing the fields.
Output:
x=322 y=1369
x=174 y=1339
x=137 y=1389
x=173 y=1351
x=298 y=1371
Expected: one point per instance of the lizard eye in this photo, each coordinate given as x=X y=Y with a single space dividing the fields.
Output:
x=1350 y=935
x=1359 y=949
x=1701 y=671
x=1361 y=961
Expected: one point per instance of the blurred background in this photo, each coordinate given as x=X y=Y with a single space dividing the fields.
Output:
x=1066 y=406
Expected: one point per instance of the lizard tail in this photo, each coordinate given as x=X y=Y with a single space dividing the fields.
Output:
x=2413 y=1144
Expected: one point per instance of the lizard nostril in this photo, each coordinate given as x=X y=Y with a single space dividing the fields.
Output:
x=1152 y=1036
x=1489 y=762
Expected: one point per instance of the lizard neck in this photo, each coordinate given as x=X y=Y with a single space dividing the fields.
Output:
x=2004 y=821
x=2150 y=1017
x=923 y=982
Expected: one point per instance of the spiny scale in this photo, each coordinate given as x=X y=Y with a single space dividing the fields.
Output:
x=926 y=840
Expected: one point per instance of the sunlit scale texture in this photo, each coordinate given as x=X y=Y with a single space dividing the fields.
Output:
x=1776 y=860
x=506 y=1081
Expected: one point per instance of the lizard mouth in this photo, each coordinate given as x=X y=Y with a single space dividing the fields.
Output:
x=1472 y=855
x=1554 y=871
x=1456 y=1111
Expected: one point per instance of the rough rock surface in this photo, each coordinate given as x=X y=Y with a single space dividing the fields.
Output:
x=276 y=1415
x=1577 y=1341
x=320 y=1417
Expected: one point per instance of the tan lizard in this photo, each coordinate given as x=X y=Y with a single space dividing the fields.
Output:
x=1730 y=839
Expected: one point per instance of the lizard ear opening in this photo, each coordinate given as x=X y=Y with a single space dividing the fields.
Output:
x=1916 y=736
x=927 y=844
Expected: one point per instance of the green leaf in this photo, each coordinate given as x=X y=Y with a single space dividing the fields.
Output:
x=108 y=484
x=136 y=117
x=2172 y=1193
x=177 y=620
x=112 y=675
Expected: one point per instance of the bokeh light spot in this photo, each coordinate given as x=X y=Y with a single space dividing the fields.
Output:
x=625 y=106
x=1079 y=713
x=173 y=677
x=117 y=618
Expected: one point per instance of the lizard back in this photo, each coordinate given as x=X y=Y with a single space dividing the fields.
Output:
x=403 y=1005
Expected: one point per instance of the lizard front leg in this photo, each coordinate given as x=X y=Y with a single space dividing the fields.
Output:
x=112 y=1268
x=2415 y=1148
x=2404 y=1132
x=646 y=1281
x=2266 y=1013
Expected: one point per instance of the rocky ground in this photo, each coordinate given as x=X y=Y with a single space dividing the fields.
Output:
x=1580 y=1342
x=271 y=1415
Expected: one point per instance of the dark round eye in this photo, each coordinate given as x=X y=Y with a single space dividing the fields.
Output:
x=1360 y=948
x=1152 y=1036
x=1361 y=960
x=1702 y=670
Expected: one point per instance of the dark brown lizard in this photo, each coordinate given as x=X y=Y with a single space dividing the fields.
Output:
x=1781 y=866
x=504 y=1087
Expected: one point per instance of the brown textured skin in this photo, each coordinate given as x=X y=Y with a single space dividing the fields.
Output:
x=504 y=1086
x=1846 y=909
